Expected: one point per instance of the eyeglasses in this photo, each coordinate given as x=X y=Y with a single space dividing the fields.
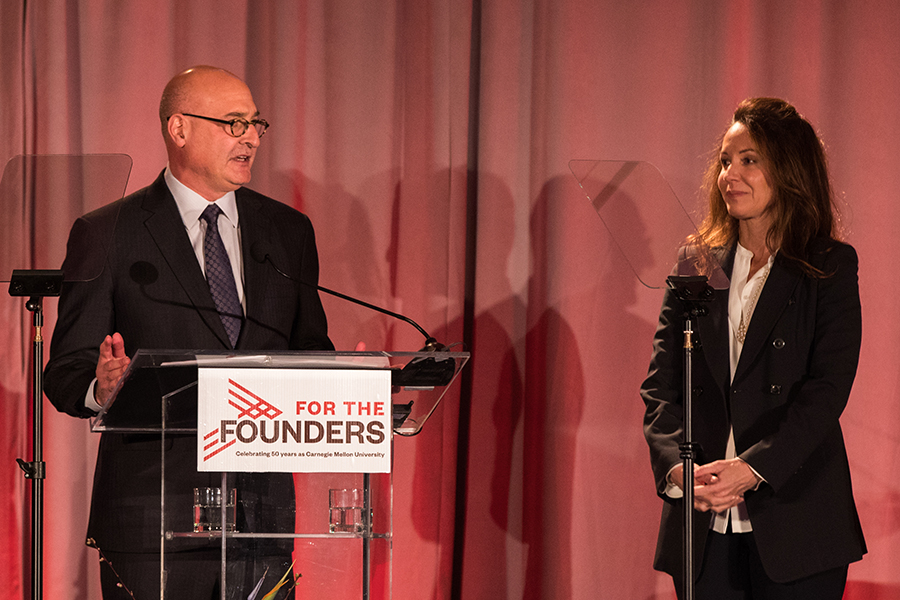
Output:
x=238 y=127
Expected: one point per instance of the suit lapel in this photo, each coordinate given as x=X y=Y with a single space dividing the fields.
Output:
x=167 y=229
x=773 y=299
x=713 y=330
x=255 y=226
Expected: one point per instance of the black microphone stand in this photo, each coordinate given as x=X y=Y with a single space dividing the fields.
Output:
x=692 y=291
x=36 y=284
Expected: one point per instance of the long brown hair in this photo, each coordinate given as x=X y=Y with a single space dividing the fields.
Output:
x=803 y=206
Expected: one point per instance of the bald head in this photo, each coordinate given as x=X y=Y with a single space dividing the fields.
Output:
x=183 y=91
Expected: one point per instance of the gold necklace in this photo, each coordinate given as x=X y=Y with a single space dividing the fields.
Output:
x=742 y=327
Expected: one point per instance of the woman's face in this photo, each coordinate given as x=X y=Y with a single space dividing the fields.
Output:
x=742 y=177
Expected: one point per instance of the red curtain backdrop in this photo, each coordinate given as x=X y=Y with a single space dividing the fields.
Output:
x=429 y=142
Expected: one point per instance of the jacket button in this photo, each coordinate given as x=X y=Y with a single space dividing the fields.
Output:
x=697 y=391
x=775 y=389
x=778 y=343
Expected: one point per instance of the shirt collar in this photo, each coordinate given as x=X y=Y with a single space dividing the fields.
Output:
x=191 y=204
x=741 y=268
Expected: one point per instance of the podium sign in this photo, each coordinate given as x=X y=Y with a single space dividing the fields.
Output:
x=293 y=420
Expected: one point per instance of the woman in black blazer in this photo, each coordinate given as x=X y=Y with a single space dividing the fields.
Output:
x=774 y=362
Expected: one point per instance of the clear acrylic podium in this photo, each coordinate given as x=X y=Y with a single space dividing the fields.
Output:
x=275 y=513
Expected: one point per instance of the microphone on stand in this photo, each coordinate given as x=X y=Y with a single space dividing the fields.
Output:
x=260 y=253
x=425 y=372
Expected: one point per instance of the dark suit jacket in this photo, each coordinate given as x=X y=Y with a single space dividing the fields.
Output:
x=790 y=387
x=153 y=292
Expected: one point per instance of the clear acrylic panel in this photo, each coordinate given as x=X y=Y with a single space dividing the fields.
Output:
x=42 y=195
x=646 y=221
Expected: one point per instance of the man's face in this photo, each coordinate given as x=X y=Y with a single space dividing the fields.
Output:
x=212 y=161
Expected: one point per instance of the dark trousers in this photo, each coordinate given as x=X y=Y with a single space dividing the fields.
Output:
x=194 y=575
x=732 y=570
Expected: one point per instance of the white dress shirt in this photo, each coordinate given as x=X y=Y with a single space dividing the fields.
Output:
x=740 y=304
x=191 y=205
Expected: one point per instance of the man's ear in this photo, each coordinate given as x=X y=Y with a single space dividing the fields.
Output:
x=177 y=129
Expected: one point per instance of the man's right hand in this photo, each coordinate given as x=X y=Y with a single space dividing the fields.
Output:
x=110 y=367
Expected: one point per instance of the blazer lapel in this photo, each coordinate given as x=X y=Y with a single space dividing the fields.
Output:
x=773 y=299
x=167 y=229
x=255 y=227
x=713 y=329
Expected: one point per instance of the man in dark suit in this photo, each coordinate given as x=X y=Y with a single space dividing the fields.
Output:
x=177 y=277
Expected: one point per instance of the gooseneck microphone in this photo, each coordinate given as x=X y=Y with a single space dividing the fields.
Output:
x=260 y=253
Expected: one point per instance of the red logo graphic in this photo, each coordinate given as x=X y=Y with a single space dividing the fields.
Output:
x=254 y=406
x=249 y=405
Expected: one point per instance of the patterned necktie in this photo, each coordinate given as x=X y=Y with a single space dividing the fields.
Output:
x=220 y=276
